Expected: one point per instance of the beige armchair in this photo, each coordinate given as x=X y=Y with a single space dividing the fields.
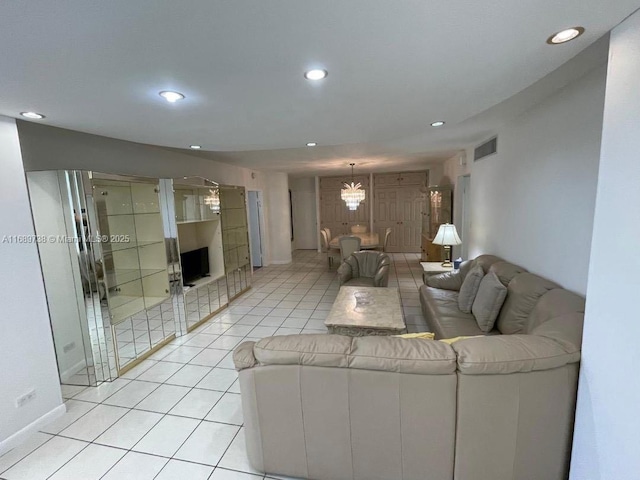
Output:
x=370 y=269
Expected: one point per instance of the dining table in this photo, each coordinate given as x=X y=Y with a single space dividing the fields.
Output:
x=369 y=241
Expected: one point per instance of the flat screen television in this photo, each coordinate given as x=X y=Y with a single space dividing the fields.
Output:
x=195 y=265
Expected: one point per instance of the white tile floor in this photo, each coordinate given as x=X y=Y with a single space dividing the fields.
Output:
x=178 y=414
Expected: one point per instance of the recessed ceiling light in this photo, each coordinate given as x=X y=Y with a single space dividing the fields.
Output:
x=439 y=123
x=170 y=96
x=32 y=115
x=311 y=144
x=565 y=35
x=316 y=74
x=195 y=147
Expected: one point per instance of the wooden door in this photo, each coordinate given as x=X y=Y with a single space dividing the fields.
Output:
x=412 y=204
x=385 y=214
x=400 y=204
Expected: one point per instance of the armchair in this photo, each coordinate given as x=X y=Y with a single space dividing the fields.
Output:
x=370 y=269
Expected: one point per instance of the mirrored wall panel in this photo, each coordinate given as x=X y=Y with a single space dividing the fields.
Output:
x=110 y=283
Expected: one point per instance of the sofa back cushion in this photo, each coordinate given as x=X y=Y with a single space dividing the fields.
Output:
x=524 y=291
x=382 y=353
x=559 y=314
x=505 y=271
x=485 y=261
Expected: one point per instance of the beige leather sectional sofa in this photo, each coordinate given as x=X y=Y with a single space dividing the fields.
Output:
x=496 y=407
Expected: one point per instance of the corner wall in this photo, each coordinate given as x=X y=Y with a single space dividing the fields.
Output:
x=607 y=432
x=28 y=360
x=278 y=218
x=305 y=227
x=532 y=203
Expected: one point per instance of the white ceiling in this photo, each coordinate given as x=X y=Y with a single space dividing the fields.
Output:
x=394 y=67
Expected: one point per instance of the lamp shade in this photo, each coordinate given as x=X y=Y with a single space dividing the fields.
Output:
x=447 y=235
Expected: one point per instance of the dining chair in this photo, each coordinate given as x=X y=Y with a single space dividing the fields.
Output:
x=329 y=237
x=331 y=252
x=348 y=245
x=387 y=234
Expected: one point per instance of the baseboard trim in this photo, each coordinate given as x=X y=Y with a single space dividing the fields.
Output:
x=21 y=435
x=70 y=372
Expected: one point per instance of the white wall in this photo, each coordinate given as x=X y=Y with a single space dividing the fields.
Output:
x=305 y=228
x=533 y=202
x=49 y=148
x=28 y=360
x=278 y=219
x=607 y=432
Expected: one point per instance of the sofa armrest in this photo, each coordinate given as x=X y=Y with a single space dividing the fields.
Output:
x=381 y=353
x=243 y=356
x=445 y=281
x=345 y=273
x=505 y=354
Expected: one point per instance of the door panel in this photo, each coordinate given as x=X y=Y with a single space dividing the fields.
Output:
x=412 y=203
x=399 y=204
x=386 y=212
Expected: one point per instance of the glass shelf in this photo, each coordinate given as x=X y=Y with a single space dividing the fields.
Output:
x=131 y=214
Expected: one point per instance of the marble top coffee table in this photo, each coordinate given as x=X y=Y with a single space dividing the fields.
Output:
x=360 y=311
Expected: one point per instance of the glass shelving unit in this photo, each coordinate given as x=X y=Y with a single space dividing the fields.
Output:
x=197 y=215
x=235 y=240
x=136 y=276
x=132 y=239
x=196 y=204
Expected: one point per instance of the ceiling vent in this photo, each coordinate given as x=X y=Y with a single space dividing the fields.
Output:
x=487 y=148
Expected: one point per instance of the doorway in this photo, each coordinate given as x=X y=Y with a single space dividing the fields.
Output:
x=255 y=227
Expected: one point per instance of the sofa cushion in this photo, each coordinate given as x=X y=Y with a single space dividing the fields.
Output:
x=392 y=354
x=243 y=356
x=505 y=354
x=506 y=271
x=382 y=353
x=485 y=261
x=469 y=289
x=446 y=281
x=524 y=291
x=488 y=302
x=317 y=349
x=442 y=315
x=558 y=314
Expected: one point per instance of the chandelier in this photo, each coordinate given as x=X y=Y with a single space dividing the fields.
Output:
x=213 y=200
x=352 y=194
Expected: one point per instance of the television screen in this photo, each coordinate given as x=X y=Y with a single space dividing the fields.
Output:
x=195 y=265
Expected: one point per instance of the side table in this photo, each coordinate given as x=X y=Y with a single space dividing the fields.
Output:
x=433 y=268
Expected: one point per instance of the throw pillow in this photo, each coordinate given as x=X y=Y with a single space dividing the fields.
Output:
x=488 y=302
x=469 y=289
x=425 y=335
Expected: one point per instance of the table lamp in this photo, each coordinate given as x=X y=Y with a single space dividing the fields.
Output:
x=447 y=236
